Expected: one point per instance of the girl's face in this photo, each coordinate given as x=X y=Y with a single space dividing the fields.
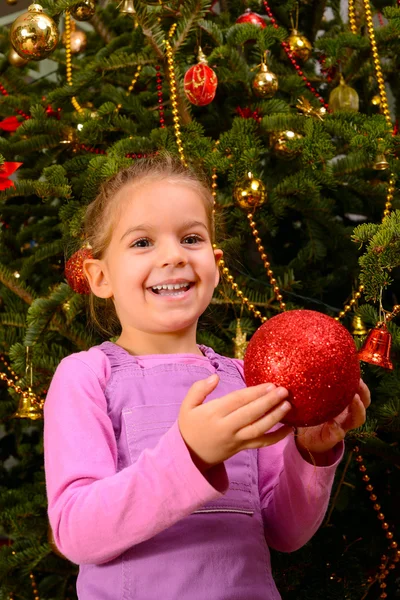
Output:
x=160 y=267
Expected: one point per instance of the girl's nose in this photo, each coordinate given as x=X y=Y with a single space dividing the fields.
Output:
x=173 y=253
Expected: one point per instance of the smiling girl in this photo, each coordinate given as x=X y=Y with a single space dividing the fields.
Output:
x=166 y=476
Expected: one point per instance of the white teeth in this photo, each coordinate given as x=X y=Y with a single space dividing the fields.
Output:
x=171 y=286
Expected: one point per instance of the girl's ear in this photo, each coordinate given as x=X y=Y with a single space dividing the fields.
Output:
x=218 y=253
x=95 y=271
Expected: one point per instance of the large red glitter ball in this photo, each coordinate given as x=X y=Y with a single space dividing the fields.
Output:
x=251 y=17
x=310 y=354
x=74 y=271
x=200 y=84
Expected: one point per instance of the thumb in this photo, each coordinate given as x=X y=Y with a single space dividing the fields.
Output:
x=199 y=391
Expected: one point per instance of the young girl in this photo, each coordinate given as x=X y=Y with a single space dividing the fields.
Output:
x=166 y=476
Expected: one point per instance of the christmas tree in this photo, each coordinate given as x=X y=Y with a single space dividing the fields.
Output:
x=290 y=108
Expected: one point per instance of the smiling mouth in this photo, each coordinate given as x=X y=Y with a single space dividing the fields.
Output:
x=177 y=289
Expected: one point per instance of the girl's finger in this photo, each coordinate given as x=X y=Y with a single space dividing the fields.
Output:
x=254 y=410
x=236 y=400
x=267 y=439
x=364 y=393
x=356 y=414
x=258 y=427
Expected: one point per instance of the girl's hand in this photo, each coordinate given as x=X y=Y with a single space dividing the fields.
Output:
x=218 y=429
x=314 y=443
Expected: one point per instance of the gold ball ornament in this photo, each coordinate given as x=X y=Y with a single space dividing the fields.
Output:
x=84 y=10
x=34 y=35
x=343 y=97
x=250 y=192
x=11 y=2
x=78 y=41
x=279 y=142
x=376 y=100
x=299 y=45
x=265 y=83
x=15 y=59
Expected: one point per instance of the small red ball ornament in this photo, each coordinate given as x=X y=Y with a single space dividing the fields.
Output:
x=310 y=354
x=74 y=274
x=251 y=17
x=200 y=82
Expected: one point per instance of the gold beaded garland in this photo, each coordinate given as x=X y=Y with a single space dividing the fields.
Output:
x=68 y=58
x=264 y=258
x=174 y=103
x=384 y=571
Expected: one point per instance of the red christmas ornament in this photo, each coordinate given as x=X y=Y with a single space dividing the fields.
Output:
x=247 y=113
x=10 y=124
x=50 y=112
x=251 y=17
x=310 y=354
x=74 y=274
x=200 y=82
x=7 y=169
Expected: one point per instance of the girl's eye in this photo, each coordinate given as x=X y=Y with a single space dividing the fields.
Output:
x=142 y=243
x=193 y=239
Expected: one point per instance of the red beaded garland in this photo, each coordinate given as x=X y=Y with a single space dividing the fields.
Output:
x=311 y=355
x=160 y=96
x=292 y=59
x=17 y=110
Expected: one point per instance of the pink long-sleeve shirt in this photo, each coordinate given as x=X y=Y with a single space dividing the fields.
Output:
x=128 y=505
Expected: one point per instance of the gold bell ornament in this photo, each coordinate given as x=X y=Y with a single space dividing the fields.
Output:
x=34 y=35
x=358 y=326
x=279 y=142
x=250 y=192
x=78 y=39
x=376 y=348
x=28 y=407
x=83 y=11
x=15 y=59
x=265 y=83
x=380 y=163
x=126 y=7
x=299 y=45
x=343 y=97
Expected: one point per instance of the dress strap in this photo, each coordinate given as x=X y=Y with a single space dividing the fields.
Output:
x=222 y=364
x=117 y=356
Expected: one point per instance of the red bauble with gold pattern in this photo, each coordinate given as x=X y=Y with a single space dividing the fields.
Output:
x=310 y=354
x=200 y=82
x=251 y=17
x=74 y=274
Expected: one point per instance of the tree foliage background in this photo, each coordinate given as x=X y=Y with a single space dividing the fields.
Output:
x=319 y=188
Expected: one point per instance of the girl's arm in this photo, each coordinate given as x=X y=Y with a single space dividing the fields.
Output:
x=95 y=512
x=294 y=494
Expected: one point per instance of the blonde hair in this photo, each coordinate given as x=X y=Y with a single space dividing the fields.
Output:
x=100 y=217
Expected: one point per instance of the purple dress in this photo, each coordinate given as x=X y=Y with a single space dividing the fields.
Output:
x=129 y=506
